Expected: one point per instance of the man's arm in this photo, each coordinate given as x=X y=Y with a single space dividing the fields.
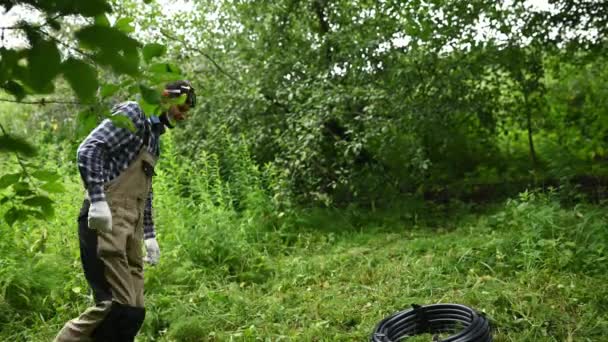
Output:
x=105 y=139
x=152 y=248
x=148 y=219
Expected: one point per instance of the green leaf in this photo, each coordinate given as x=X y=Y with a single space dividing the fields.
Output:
x=106 y=39
x=174 y=101
x=123 y=121
x=147 y=1
x=53 y=187
x=114 y=48
x=164 y=78
x=122 y=62
x=149 y=109
x=38 y=201
x=163 y=73
x=133 y=89
x=87 y=120
x=178 y=100
x=8 y=179
x=82 y=77
x=44 y=203
x=165 y=105
x=153 y=50
x=16 y=145
x=23 y=214
x=165 y=68
x=44 y=175
x=102 y=20
x=24 y=192
x=14 y=215
x=33 y=35
x=21 y=186
x=15 y=89
x=124 y=25
x=44 y=63
x=108 y=90
x=8 y=61
x=88 y=8
x=126 y=83
x=149 y=95
x=11 y=216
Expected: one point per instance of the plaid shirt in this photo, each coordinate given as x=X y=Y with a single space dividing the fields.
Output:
x=109 y=150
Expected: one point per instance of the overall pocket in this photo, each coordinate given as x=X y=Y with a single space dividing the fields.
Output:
x=124 y=221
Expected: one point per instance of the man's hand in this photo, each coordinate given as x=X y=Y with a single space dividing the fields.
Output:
x=100 y=217
x=152 y=251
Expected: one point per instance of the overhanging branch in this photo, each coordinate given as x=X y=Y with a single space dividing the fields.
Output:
x=187 y=46
x=202 y=53
x=43 y=102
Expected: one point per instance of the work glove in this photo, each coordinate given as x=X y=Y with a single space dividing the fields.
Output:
x=100 y=217
x=152 y=251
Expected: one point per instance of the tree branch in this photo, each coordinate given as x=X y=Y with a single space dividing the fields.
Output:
x=42 y=102
x=221 y=70
x=16 y=27
x=22 y=24
x=58 y=41
x=215 y=64
x=39 y=28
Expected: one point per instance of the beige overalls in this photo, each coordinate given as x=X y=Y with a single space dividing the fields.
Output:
x=120 y=250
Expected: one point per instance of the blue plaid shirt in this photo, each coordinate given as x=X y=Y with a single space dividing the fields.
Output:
x=109 y=150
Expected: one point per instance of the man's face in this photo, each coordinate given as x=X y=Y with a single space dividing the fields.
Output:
x=177 y=112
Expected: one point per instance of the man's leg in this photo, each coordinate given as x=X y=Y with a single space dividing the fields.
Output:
x=135 y=258
x=136 y=312
x=120 y=325
x=82 y=327
x=115 y=250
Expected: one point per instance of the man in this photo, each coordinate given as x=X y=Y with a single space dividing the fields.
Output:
x=116 y=166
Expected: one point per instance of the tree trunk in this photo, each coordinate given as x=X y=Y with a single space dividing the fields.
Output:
x=530 y=135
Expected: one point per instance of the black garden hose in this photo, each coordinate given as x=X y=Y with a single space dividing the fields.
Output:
x=464 y=323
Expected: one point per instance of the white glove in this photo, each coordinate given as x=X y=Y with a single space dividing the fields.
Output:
x=100 y=217
x=152 y=251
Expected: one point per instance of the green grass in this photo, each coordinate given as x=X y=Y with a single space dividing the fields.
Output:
x=530 y=266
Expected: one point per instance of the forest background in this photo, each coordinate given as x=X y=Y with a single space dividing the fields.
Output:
x=347 y=159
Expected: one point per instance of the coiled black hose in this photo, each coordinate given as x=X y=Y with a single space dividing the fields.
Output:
x=464 y=323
